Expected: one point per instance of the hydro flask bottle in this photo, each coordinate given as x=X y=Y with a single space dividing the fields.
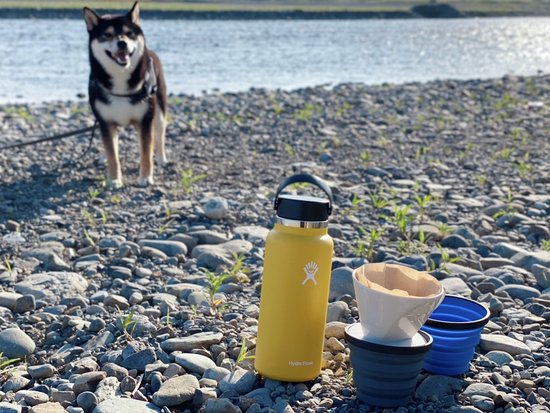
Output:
x=295 y=286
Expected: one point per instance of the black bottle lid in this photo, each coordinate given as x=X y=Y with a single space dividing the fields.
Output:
x=302 y=207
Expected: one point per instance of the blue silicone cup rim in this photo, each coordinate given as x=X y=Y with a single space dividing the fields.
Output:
x=459 y=304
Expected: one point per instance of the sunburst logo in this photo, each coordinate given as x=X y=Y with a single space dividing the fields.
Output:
x=310 y=269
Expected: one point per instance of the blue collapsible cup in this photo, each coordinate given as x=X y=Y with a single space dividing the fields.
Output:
x=456 y=326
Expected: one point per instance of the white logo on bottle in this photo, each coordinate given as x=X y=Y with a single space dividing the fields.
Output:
x=310 y=269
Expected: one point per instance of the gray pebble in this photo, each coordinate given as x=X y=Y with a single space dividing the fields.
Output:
x=125 y=405
x=216 y=208
x=240 y=381
x=87 y=401
x=176 y=391
x=341 y=283
x=196 y=363
x=42 y=371
x=15 y=343
x=220 y=406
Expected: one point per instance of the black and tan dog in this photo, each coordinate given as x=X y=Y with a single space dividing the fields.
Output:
x=126 y=88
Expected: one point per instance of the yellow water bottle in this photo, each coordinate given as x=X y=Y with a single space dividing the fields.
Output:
x=295 y=286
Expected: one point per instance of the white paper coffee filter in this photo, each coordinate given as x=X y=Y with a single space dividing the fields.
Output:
x=392 y=316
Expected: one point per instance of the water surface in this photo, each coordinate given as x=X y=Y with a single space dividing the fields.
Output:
x=47 y=59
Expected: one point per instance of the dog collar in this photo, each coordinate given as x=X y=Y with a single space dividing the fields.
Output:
x=148 y=89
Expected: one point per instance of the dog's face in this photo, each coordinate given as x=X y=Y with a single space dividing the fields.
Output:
x=117 y=41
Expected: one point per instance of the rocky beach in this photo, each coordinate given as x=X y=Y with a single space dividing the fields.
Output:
x=147 y=299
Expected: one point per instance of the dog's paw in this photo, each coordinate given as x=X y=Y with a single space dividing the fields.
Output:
x=162 y=161
x=114 y=183
x=144 y=181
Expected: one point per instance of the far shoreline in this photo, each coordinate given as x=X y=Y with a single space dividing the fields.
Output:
x=253 y=14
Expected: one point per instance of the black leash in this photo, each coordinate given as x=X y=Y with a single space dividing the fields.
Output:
x=62 y=164
x=53 y=138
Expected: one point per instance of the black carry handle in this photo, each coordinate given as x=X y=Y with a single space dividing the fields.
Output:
x=312 y=179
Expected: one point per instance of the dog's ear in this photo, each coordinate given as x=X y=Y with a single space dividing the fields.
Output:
x=133 y=14
x=92 y=18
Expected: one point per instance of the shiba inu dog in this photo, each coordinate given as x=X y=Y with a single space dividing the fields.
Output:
x=126 y=87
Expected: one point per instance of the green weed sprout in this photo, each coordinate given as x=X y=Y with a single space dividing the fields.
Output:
x=423 y=202
x=446 y=258
x=128 y=323
x=7 y=362
x=214 y=283
x=188 y=178
x=524 y=167
x=243 y=353
x=8 y=265
x=89 y=238
x=365 y=246
x=289 y=150
x=377 y=200
x=365 y=157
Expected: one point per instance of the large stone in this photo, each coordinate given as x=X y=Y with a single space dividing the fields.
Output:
x=228 y=248
x=213 y=256
x=42 y=371
x=335 y=329
x=221 y=406
x=170 y=248
x=207 y=236
x=31 y=397
x=15 y=383
x=124 y=405
x=216 y=208
x=528 y=259
x=15 y=343
x=519 y=291
x=16 y=302
x=479 y=389
x=88 y=381
x=498 y=357
x=507 y=250
x=176 y=390
x=106 y=389
x=140 y=359
x=253 y=233
x=336 y=311
x=491 y=342
x=50 y=407
x=454 y=241
x=240 y=381
x=438 y=386
x=6 y=407
x=186 y=344
x=461 y=269
x=48 y=255
x=215 y=373
x=103 y=339
x=87 y=400
x=341 y=283
x=52 y=286
x=542 y=274
x=196 y=363
x=456 y=286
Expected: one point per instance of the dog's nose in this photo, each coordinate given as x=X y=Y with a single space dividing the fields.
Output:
x=122 y=44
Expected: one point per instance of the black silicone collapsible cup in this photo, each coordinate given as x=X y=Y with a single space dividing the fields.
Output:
x=385 y=373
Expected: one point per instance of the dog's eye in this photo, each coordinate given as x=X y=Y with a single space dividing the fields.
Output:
x=106 y=36
x=130 y=34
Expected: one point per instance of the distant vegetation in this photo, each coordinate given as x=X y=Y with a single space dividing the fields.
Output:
x=471 y=7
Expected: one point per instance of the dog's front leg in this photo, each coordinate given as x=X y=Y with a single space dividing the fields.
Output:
x=109 y=136
x=146 y=137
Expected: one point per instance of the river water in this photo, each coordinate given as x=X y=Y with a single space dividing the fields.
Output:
x=45 y=60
